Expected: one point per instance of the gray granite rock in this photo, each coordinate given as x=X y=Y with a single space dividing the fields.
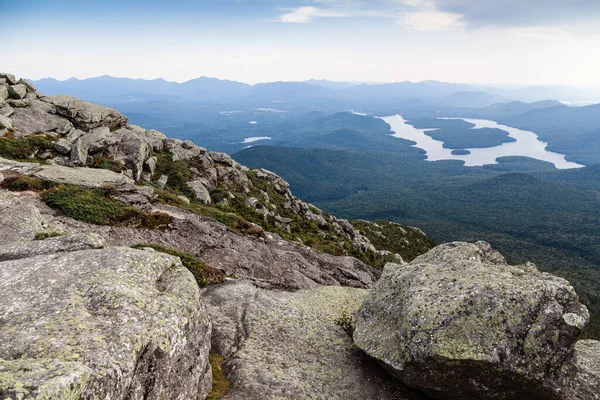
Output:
x=281 y=345
x=459 y=322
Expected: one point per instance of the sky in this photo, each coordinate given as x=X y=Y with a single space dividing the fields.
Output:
x=471 y=41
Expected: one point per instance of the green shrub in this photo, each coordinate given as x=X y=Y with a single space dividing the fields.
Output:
x=205 y=274
x=20 y=183
x=21 y=149
x=347 y=323
x=46 y=235
x=96 y=207
x=108 y=163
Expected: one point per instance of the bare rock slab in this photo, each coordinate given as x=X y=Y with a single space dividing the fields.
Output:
x=282 y=345
x=460 y=323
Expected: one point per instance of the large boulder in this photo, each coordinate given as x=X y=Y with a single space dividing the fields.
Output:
x=585 y=384
x=85 y=115
x=36 y=118
x=459 y=322
x=101 y=323
x=17 y=92
x=281 y=345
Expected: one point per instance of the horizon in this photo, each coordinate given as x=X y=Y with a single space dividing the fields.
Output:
x=473 y=42
x=310 y=80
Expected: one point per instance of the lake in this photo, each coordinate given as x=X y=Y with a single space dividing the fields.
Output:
x=527 y=144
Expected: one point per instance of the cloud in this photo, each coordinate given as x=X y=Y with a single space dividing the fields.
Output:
x=433 y=21
x=522 y=13
x=307 y=14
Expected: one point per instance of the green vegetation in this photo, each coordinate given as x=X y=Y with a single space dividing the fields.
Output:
x=24 y=149
x=178 y=173
x=21 y=183
x=549 y=218
x=205 y=274
x=347 y=323
x=470 y=138
x=404 y=240
x=108 y=163
x=97 y=207
x=46 y=235
x=220 y=384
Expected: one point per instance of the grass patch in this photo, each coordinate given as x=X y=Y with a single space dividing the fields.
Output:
x=205 y=274
x=21 y=183
x=22 y=149
x=96 y=207
x=108 y=163
x=220 y=382
x=46 y=235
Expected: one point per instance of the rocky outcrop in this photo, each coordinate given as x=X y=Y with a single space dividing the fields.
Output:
x=79 y=321
x=85 y=115
x=265 y=259
x=84 y=177
x=459 y=322
x=281 y=345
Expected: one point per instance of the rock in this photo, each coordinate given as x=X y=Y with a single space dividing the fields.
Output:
x=36 y=118
x=63 y=146
x=7 y=111
x=85 y=177
x=136 y=129
x=9 y=78
x=85 y=115
x=79 y=152
x=65 y=128
x=162 y=181
x=3 y=93
x=221 y=158
x=20 y=103
x=458 y=322
x=281 y=345
x=188 y=144
x=17 y=92
x=150 y=165
x=170 y=143
x=184 y=199
x=154 y=138
x=131 y=150
x=74 y=242
x=201 y=193
x=181 y=153
x=585 y=385
x=28 y=85
x=19 y=220
x=5 y=123
x=269 y=259
x=99 y=138
x=318 y=218
x=115 y=323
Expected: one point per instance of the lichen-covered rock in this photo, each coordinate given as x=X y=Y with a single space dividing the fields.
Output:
x=10 y=78
x=73 y=242
x=585 y=382
x=19 y=219
x=458 y=322
x=85 y=115
x=109 y=323
x=281 y=345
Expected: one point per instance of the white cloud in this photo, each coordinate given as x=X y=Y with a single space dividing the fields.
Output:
x=433 y=21
x=307 y=14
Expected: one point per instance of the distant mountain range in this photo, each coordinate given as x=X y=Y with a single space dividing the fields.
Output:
x=115 y=90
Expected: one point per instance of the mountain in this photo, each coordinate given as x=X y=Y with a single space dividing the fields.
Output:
x=332 y=85
x=187 y=275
